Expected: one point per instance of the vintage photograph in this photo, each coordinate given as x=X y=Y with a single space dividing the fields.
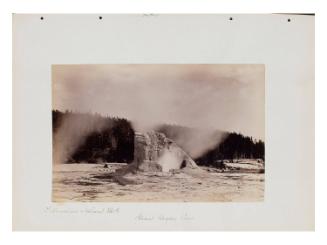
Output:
x=158 y=133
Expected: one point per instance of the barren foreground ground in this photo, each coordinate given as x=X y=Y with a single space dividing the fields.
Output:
x=90 y=182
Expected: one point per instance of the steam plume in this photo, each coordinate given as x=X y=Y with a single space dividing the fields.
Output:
x=71 y=134
x=225 y=97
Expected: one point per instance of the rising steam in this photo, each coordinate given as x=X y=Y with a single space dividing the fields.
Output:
x=197 y=142
x=170 y=159
x=71 y=134
x=226 y=97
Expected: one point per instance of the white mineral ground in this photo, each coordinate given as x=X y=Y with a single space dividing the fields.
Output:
x=90 y=182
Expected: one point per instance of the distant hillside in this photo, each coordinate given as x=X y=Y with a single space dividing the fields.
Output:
x=114 y=142
x=226 y=145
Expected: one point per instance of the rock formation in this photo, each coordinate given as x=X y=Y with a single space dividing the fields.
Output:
x=154 y=152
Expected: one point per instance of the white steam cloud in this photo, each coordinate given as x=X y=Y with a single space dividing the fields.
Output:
x=170 y=159
x=225 y=97
x=197 y=142
x=72 y=133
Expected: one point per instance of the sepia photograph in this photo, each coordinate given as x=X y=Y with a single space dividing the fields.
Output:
x=158 y=133
x=208 y=125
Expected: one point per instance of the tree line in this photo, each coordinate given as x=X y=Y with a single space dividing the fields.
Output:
x=234 y=146
x=115 y=142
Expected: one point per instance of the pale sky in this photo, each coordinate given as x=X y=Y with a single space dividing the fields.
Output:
x=224 y=97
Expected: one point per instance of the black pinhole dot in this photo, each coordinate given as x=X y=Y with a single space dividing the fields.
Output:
x=41 y=18
x=230 y=18
x=100 y=17
x=288 y=20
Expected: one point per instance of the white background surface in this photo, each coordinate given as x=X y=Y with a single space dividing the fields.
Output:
x=179 y=7
x=286 y=49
